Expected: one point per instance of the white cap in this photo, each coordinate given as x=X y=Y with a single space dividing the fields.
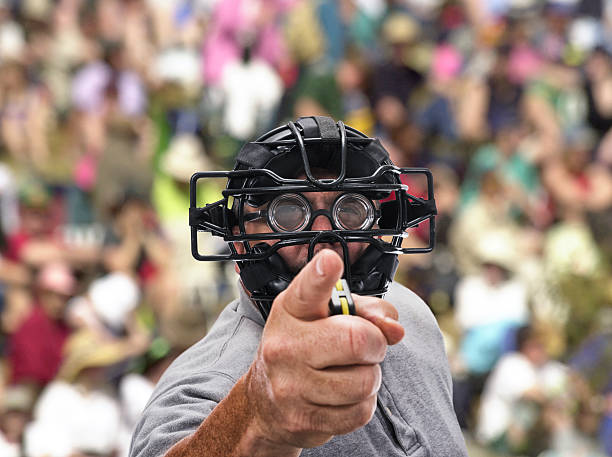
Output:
x=113 y=297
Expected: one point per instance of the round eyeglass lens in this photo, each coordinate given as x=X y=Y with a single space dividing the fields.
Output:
x=353 y=212
x=289 y=213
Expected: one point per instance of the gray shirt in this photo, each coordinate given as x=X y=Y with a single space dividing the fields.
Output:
x=414 y=415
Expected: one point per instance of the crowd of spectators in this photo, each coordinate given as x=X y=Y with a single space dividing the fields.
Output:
x=107 y=107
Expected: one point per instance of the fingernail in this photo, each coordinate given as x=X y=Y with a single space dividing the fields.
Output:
x=390 y=320
x=319 y=265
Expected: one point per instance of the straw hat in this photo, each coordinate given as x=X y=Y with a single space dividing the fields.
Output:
x=184 y=156
x=86 y=349
x=400 y=28
x=498 y=248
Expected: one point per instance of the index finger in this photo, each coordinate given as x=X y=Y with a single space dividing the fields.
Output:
x=382 y=314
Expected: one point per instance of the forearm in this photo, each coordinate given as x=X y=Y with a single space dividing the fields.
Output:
x=231 y=430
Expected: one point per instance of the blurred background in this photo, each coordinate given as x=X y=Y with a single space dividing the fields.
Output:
x=107 y=107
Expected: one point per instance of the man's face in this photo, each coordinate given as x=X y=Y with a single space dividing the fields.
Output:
x=53 y=303
x=296 y=256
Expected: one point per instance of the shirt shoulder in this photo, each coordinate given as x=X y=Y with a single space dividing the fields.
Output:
x=413 y=311
x=197 y=381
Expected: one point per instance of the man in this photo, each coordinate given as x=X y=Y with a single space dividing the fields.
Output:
x=520 y=410
x=278 y=376
x=36 y=347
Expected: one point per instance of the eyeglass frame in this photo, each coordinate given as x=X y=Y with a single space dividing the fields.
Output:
x=312 y=214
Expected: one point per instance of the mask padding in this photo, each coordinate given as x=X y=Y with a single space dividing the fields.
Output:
x=373 y=270
x=269 y=276
x=389 y=212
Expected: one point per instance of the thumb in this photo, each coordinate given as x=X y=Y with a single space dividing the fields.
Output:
x=308 y=295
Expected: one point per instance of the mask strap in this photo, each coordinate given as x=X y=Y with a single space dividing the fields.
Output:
x=300 y=141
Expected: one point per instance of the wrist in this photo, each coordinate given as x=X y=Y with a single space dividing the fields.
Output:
x=259 y=438
x=254 y=443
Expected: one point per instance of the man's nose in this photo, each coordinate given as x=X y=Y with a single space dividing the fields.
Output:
x=321 y=223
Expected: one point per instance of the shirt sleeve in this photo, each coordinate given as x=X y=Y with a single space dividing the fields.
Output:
x=177 y=412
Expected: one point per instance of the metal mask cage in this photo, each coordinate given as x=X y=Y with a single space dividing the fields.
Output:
x=220 y=217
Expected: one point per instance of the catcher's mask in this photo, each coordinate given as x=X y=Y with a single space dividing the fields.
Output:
x=373 y=206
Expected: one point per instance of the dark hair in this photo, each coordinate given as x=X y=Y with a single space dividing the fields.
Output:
x=523 y=335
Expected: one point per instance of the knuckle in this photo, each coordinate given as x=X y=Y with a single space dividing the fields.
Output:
x=366 y=342
x=392 y=311
x=378 y=345
x=370 y=381
x=365 y=411
x=382 y=349
x=273 y=350
x=357 y=339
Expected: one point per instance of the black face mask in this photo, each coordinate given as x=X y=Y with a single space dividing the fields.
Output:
x=263 y=175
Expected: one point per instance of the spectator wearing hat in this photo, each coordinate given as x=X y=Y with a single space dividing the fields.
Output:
x=395 y=80
x=78 y=413
x=488 y=306
x=15 y=413
x=35 y=349
x=490 y=211
x=108 y=307
x=31 y=241
x=179 y=295
x=516 y=394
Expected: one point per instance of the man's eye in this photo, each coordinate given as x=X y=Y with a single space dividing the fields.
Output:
x=353 y=212
x=289 y=213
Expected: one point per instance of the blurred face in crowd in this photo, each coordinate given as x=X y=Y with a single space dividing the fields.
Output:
x=556 y=20
x=53 y=303
x=533 y=348
x=35 y=221
x=509 y=138
x=12 y=76
x=12 y=424
x=349 y=75
x=598 y=66
x=390 y=112
x=495 y=274
x=492 y=190
x=576 y=158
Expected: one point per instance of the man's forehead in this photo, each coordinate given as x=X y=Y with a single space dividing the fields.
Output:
x=321 y=196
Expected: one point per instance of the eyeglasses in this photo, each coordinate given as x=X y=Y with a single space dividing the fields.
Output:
x=294 y=213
